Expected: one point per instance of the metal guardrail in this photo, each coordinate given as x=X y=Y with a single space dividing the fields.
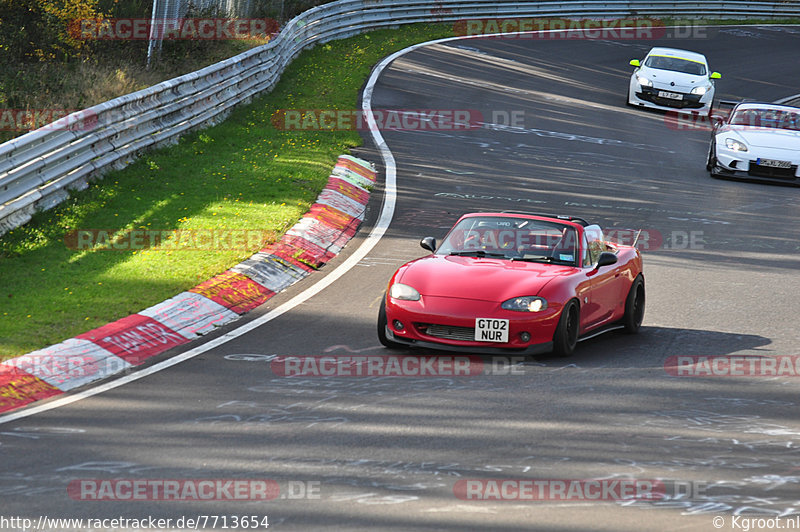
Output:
x=39 y=168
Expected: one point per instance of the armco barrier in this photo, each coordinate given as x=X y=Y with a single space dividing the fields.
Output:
x=130 y=341
x=39 y=168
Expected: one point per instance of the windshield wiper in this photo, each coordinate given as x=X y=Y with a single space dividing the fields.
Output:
x=539 y=259
x=534 y=259
x=477 y=253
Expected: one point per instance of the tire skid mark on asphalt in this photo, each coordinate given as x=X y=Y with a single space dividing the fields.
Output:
x=348 y=349
x=747 y=34
x=560 y=135
x=368 y=262
x=690 y=216
x=410 y=476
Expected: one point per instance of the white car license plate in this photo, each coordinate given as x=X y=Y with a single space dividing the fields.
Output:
x=670 y=95
x=773 y=163
x=491 y=330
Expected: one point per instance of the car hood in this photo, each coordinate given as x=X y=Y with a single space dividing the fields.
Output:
x=768 y=137
x=662 y=78
x=479 y=278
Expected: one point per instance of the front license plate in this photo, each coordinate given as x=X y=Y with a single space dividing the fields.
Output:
x=773 y=163
x=670 y=95
x=491 y=330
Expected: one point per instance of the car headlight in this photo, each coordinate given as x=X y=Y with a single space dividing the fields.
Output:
x=644 y=82
x=404 y=292
x=735 y=145
x=525 y=304
x=701 y=90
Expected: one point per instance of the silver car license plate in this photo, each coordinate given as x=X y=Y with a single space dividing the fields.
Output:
x=670 y=95
x=773 y=163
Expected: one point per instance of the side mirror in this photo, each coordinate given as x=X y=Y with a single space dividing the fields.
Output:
x=715 y=75
x=606 y=258
x=716 y=120
x=428 y=243
x=636 y=63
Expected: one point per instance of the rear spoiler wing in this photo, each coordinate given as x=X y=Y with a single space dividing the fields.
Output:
x=726 y=106
x=728 y=103
x=723 y=110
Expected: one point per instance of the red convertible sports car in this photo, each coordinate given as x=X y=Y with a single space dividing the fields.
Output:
x=506 y=283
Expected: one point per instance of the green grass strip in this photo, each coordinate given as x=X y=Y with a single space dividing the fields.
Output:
x=243 y=174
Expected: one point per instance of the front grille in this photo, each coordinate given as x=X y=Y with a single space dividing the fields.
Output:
x=770 y=171
x=677 y=104
x=466 y=334
x=689 y=101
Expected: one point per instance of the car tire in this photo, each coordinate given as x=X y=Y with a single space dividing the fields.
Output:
x=566 y=337
x=634 y=306
x=711 y=161
x=382 y=324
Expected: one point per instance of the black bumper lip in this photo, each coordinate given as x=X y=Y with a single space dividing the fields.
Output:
x=535 y=349
x=741 y=175
x=689 y=101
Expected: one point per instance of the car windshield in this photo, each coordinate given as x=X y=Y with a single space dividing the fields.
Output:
x=769 y=118
x=511 y=238
x=676 y=64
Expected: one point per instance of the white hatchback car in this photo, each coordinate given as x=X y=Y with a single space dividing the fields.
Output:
x=670 y=79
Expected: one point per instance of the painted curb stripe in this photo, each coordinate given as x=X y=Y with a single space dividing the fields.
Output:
x=18 y=388
x=70 y=364
x=356 y=165
x=291 y=255
x=346 y=188
x=339 y=201
x=190 y=314
x=333 y=218
x=351 y=176
x=134 y=338
x=309 y=252
x=235 y=291
x=270 y=271
x=320 y=234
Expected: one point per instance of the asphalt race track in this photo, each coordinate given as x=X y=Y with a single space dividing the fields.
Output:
x=392 y=453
